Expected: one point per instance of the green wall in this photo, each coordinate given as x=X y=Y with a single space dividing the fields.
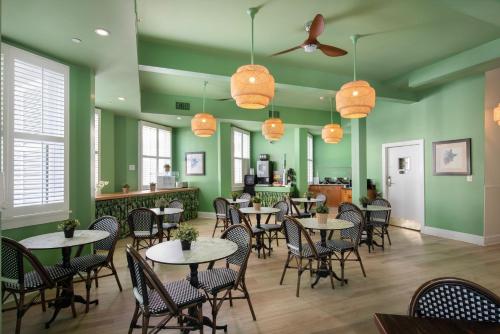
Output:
x=259 y=145
x=108 y=150
x=126 y=151
x=452 y=111
x=332 y=160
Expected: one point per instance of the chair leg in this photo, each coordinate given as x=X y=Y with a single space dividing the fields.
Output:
x=388 y=236
x=73 y=309
x=215 y=227
x=20 y=312
x=310 y=268
x=214 y=314
x=88 y=285
x=133 y=323
x=230 y=299
x=247 y=296
x=96 y=278
x=115 y=273
x=262 y=244
x=331 y=271
x=145 y=324
x=360 y=262
x=342 y=265
x=200 y=317
x=299 y=274
x=284 y=269
x=42 y=300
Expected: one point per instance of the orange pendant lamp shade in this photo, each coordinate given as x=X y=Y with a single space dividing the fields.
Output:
x=355 y=99
x=273 y=129
x=496 y=114
x=252 y=87
x=332 y=133
x=203 y=125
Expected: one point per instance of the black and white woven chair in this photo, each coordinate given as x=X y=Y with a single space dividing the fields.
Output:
x=272 y=230
x=245 y=196
x=349 y=241
x=102 y=256
x=347 y=206
x=301 y=247
x=238 y=218
x=18 y=282
x=321 y=201
x=221 y=207
x=143 y=228
x=455 y=298
x=295 y=212
x=153 y=299
x=218 y=283
x=379 y=220
x=172 y=221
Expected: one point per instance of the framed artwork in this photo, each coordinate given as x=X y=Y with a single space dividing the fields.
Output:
x=452 y=157
x=195 y=163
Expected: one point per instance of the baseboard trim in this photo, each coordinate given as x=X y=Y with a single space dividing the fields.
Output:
x=492 y=240
x=454 y=235
x=206 y=214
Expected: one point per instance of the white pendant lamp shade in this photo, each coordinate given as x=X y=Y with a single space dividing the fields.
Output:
x=355 y=99
x=332 y=133
x=252 y=87
x=496 y=114
x=273 y=129
x=203 y=125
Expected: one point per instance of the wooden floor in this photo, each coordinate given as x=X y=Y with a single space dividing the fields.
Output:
x=393 y=276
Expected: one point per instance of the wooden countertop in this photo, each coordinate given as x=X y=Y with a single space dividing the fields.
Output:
x=330 y=184
x=103 y=197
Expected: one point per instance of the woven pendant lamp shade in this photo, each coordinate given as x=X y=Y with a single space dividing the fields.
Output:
x=355 y=99
x=273 y=129
x=252 y=87
x=203 y=125
x=496 y=114
x=332 y=133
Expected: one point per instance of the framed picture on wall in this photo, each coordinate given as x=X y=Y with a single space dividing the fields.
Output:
x=452 y=157
x=195 y=163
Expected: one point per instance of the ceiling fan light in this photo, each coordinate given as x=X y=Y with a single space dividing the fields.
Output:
x=252 y=87
x=310 y=48
x=273 y=129
x=355 y=99
x=496 y=114
x=203 y=125
x=332 y=133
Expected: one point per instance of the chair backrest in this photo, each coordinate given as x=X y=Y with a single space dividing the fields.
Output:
x=321 y=199
x=242 y=236
x=141 y=219
x=175 y=218
x=346 y=206
x=283 y=206
x=295 y=233
x=238 y=218
x=245 y=196
x=353 y=233
x=292 y=207
x=455 y=298
x=144 y=279
x=221 y=207
x=108 y=224
x=382 y=216
x=13 y=265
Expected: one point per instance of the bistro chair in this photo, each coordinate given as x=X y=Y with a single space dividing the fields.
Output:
x=455 y=298
x=143 y=228
x=20 y=283
x=238 y=218
x=295 y=212
x=349 y=241
x=93 y=263
x=379 y=220
x=245 y=196
x=347 y=206
x=154 y=299
x=221 y=207
x=272 y=230
x=218 y=283
x=295 y=235
x=321 y=201
x=172 y=221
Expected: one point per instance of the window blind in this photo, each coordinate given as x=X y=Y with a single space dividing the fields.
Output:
x=97 y=147
x=310 y=169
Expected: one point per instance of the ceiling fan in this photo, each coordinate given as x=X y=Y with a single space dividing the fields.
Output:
x=315 y=28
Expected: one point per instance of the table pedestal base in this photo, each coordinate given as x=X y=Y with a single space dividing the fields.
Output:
x=323 y=270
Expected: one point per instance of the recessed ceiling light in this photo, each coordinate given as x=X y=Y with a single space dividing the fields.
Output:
x=321 y=97
x=121 y=98
x=76 y=40
x=178 y=117
x=102 y=32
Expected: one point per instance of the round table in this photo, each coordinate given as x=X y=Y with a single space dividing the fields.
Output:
x=57 y=240
x=375 y=208
x=264 y=210
x=369 y=229
x=237 y=201
x=203 y=250
x=306 y=201
x=161 y=214
x=332 y=224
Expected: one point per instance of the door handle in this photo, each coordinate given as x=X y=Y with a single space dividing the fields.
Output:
x=389 y=181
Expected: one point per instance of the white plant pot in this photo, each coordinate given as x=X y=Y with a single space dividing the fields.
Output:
x=256 y=206
x=322 y=218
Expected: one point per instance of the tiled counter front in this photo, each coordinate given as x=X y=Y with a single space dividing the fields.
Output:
x=119 y=205
x=271 y=195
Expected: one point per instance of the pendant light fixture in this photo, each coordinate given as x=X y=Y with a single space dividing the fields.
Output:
x=355 y=99
x=252 y=87
x=496 y=114
x=273 y=128
x=332 y=133
x=204 y=124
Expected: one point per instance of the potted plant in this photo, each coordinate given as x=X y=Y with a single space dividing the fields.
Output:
x=234 y=195
x=308 y=195
x=161 y=203
x=125 y=188
x=68 y=227
x=322 y=213
x=364 y=201
x=256 y=203
x=186 y=234
x=152 y=186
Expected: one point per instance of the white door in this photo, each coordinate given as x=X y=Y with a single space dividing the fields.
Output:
x=404 y=188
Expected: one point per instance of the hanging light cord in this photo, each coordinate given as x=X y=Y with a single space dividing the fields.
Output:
x=272 y=108
x=331 y=110
x=204 y=93
x=354 y=39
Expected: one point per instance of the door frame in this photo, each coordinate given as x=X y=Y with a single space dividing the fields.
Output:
x=420 y=144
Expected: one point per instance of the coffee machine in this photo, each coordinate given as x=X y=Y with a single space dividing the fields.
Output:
x=264 y=170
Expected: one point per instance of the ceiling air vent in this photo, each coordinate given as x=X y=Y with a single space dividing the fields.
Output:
x=182 y=106
x=276 y=114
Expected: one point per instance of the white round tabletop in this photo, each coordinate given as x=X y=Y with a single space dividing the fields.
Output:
x=167 y=211
x=331 y=224
x=263 y=210
x=57 y=239
x=202 y=250
x=375 y=208
x=238 y=200
x=305 y=200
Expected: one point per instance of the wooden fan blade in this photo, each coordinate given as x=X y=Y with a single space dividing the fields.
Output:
x=317 y=27
x=285 y=51
x=331 y=50
x=226 y=99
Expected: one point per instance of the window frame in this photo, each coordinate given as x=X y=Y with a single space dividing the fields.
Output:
x=30 y=215
x=97 y=148
x=239 y=186
x=310 y=178
x=157 y=126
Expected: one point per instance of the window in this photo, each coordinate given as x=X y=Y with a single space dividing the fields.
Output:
x=36 y=138
x=97 y=147
x=310 y=166
x=241 y=155
x=155 y=151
